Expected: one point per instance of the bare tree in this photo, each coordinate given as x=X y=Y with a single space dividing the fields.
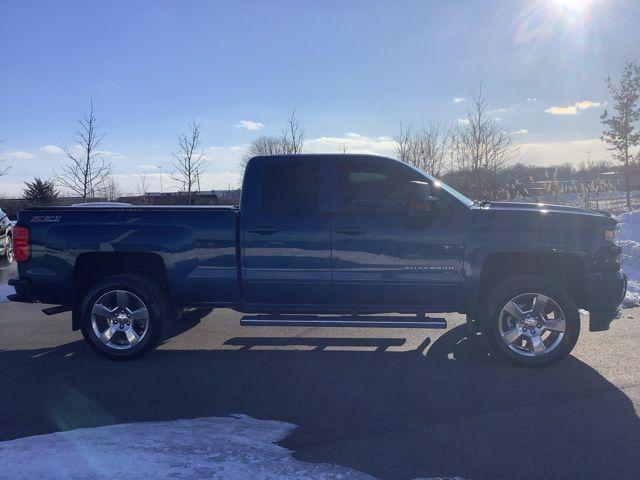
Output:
x=290 y=143
x=143 y=189
x=293 y=135
x=189 y=161
x=264 y=146
x=110 y=189
x=403 y=142
x=481 y=146
x=87 y=170
x=620 y=134
x=425 y=148
x=4 y=168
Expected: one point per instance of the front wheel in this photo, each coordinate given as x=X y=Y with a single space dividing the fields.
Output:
x=530 y=321
x=124 y=316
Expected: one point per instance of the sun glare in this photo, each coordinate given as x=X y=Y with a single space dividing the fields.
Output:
x=571 y=10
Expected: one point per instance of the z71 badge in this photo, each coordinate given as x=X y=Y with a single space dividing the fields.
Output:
x=46 y=219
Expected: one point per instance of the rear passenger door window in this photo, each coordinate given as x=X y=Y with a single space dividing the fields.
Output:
x=290 y=188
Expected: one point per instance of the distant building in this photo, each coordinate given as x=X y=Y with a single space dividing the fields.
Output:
x=208 y=197
x=618 y=178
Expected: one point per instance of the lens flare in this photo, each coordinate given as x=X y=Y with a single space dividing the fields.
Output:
x=571 y=10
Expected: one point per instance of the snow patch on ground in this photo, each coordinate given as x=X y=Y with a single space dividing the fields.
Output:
x=237 y=447
x=630 y=243
x=5 y=291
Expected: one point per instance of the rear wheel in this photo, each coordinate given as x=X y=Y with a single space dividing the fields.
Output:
x=124 y=316
x=530 y=321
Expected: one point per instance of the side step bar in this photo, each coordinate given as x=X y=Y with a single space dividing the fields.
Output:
x=385 y=321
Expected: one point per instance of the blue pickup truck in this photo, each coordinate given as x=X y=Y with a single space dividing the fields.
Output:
x=328 y=240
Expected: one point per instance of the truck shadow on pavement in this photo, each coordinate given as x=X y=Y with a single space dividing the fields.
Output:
x=452 y=410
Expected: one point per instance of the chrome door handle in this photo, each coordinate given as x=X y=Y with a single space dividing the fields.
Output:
x=264 y=230
x=352 y=230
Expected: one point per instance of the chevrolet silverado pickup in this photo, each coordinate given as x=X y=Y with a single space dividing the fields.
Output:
x=328 y=240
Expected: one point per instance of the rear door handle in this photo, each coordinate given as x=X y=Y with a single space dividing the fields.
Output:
x=352 y=230
x=264 y=230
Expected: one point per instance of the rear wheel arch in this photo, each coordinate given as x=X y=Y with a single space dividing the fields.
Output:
x=91 y=268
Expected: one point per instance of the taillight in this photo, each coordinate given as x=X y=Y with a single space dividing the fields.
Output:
x=21 y=250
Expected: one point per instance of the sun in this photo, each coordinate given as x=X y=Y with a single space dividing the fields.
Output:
x=571 y=10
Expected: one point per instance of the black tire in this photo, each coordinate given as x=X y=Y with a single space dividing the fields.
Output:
x=511 y=288
x=153 y=298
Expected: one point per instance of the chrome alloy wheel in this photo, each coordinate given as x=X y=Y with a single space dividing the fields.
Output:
x=9 y=249
x=119 y=319
x=532 y=324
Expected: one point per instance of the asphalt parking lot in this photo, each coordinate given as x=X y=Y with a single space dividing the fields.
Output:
x=6 y=272
x=390 y=403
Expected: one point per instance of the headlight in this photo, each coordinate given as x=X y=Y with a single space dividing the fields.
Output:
x=608 y=256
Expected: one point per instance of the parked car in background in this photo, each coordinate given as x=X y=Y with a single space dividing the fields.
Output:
x=6 y=238
x=341 y=235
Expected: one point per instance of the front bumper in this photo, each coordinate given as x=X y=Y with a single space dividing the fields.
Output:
x=606 y=291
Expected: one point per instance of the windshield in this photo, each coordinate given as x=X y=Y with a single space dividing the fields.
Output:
x=438 y=184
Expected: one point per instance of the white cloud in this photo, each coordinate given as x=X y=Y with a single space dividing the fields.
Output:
x=20 y=155
x=51 y=150
x=572 y=109
x=532 y=99
x=352 y=143
x=569 y=151
x=521 y=131
x=107 y=153
x=458 y=99
x=463 y=121
x=249 y=125
x=78 y=149
x=148 y=166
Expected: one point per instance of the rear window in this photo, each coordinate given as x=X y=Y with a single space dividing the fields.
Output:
x=290 y=187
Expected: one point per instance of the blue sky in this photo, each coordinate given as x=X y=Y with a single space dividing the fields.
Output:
x=352 y=69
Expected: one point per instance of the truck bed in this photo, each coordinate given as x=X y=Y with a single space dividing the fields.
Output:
x=196 y=244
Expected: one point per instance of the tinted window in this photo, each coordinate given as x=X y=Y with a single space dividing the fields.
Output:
x=373 y=189
x=291 y=187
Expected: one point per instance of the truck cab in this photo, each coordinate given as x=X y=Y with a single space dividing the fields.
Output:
x=343 y=233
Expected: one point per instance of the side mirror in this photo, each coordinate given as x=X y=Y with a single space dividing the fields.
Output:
x=420 y=202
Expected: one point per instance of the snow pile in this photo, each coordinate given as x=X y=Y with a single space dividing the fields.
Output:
x=5 y=291
x=630 y=242
x=237 y=447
